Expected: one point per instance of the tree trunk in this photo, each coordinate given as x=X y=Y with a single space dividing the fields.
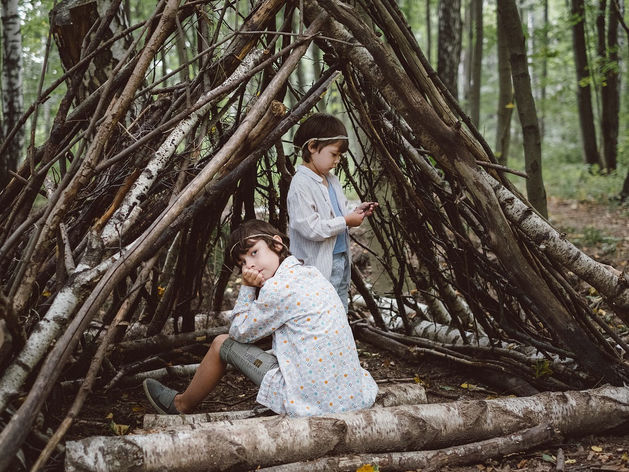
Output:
x=72 y=21
x=545 y=50
x=624 y=192
x=259 y=442
x=12 y=99
x=449 y=44
x=467 y=52
x=584 y=94
x=610 y=87
x=510 y=23
x=477 y=60
x=428 y=31
x=505 y=97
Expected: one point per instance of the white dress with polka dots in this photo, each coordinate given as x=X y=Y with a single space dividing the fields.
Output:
x=319 y=371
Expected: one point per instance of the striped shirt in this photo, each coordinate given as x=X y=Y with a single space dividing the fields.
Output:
x=313 y=225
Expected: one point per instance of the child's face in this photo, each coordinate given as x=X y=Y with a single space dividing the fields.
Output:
x=261 y=259
x=325 y=159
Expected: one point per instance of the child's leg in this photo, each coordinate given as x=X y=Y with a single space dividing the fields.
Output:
x=248 y=359
x=210 y=371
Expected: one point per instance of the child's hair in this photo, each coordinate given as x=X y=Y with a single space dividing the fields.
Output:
x=319 y=128
x=249 y=233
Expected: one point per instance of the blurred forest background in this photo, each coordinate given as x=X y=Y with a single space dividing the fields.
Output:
x=548 y=28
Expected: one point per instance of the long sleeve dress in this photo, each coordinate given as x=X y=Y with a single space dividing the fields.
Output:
x=319 y=371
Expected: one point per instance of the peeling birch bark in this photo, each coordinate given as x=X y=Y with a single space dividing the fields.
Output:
x=388 y=395
x=249 y=443
x=48 y=328
x=563 y=251
x=465 y=454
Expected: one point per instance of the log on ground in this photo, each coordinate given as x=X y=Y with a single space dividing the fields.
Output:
x=472 y=453
x=261 y=442
x=388 y=395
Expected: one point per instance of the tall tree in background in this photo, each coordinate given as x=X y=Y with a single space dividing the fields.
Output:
x=428 y=33
x=618 y=6
x=505 y=97
x=509 y=22
x=477 y=60
x=467 y=53
x=545 y=50
x=449 y=44
x=610 y=88
x=12 y=100
x=584 y=98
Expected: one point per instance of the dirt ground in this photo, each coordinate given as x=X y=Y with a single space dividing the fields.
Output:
x=603 y=232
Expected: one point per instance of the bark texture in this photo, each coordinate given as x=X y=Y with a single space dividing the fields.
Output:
x=251 y=443
x=12 y=99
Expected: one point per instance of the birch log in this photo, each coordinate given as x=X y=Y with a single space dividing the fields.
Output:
x=426 y=461
x=260 y=442
x=48 y=328
x=388 y=395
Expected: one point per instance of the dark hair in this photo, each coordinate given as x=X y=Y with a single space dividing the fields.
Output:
x=252 y=231
x=320 y=125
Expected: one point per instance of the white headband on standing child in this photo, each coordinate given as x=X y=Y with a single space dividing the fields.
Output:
x=332 y=138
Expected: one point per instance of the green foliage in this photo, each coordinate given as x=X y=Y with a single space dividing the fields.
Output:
x=567 y=179
x=592 y=236
x=542 y=368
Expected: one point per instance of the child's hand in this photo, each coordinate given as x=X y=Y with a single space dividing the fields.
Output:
x=354 y=218
x=252 y=277
x=366 y=208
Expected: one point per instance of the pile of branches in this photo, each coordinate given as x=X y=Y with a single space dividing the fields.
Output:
x=115 y=223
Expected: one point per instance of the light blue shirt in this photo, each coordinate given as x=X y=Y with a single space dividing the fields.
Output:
x=340 y=245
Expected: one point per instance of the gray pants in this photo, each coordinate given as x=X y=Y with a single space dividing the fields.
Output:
x=340 y=276
x=248 y=359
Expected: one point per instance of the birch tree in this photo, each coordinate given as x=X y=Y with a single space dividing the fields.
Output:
x=12 y=99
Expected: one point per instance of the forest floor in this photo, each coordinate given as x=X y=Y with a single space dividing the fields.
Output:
x=600 y=230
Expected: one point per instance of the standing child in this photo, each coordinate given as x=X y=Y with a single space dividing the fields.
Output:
x=314 y=369
x=317 y=208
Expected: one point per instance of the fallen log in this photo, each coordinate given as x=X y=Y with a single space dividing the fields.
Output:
x=260 y=442
x=465 y=454
x=388 y=395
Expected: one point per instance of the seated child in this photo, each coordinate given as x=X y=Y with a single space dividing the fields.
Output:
x=314 y=368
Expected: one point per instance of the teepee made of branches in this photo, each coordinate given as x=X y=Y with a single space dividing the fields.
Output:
x=115 y=223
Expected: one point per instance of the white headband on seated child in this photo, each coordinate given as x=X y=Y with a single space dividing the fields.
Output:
x=332 y=138
x=255 y=236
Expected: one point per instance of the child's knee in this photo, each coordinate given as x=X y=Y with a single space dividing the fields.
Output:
x=218 y=341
